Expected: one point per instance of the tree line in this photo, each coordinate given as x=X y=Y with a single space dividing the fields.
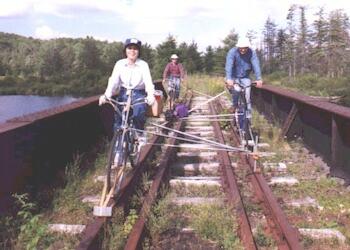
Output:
x=321 y=47
x=82 y=66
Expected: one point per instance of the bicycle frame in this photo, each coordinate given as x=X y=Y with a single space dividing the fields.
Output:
x=125 y=113
x=242 y=121
x=171 y=92
x=123 y=145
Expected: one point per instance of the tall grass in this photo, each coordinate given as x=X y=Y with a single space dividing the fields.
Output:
x=206 y=84
x=314 y=85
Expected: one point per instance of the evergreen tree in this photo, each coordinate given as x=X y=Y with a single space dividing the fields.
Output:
x=163 y=53
x=209 y=60
x=269 y=34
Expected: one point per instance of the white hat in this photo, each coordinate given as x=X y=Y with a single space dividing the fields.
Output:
x=243 y=42
x=174 y=56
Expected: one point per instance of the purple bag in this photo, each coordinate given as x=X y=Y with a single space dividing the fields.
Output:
x=181 y=110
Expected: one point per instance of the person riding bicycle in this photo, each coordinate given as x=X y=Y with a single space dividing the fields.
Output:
x=174 y=72
x=131 y=73
x=240 y=61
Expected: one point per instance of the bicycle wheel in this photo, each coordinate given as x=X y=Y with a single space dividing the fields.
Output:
x=117 y=160
x=133 y=148
x=171 y=99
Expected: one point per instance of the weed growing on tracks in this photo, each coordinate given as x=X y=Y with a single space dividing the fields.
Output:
x=159 y=219
x=212 y=223
x=114 y=237
x=216 y=223
x=262 y=239
x=26 y=230
x=332 y=204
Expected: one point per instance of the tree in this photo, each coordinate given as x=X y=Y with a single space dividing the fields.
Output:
x=338 y=41
x=51 y=63
x=190 y=57
x=269 y=33
x=89 y=56
x=163 y=53
x=230 y=40
x=291 y=41
x=209 y=60
x=303 y=38
x=280 y=48
x=319 y=39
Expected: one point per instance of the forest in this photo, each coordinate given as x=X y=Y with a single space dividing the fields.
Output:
x=310 y=57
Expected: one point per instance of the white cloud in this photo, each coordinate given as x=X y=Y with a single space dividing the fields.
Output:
x=14 y=8
x=45 y=32
x=205 y=21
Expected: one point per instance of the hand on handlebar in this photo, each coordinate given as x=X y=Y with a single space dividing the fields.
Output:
x=258 y=83
x=150 y=100
x=229 y=84
x=102 y=100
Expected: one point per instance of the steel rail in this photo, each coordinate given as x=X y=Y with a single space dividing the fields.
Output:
x=90 y=234
x=135 y=236
x=232 y=189
x=287 y=236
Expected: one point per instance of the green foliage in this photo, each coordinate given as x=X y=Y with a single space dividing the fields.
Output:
x=31 y=231
x=217 y=224
x=159 y=219
x=129 y=222
x=314 y=85
x=261 y=239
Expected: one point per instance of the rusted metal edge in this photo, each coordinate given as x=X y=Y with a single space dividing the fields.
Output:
x=138 y=228
x=235 y=198
x=289 y=233
x=135 y=235
x=295 y=96
x=40 y=115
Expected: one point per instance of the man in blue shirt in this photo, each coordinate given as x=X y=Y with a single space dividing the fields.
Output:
x=240 y=61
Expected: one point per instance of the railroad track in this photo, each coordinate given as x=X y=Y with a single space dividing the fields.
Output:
x=214 y=169
x=211 y=170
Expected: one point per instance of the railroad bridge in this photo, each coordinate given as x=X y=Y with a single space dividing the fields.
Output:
x=33 y=148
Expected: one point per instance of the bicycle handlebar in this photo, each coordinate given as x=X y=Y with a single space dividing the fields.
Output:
x=243 y=87
x=114 y=103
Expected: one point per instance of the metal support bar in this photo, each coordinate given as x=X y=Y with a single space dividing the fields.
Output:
x=288 y=122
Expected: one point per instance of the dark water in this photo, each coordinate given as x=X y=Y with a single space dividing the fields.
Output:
x=17 y=105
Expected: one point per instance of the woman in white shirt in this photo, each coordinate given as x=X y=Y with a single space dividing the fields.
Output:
x=131 y=73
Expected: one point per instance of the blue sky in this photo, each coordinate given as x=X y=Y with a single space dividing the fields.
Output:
x=206 y=22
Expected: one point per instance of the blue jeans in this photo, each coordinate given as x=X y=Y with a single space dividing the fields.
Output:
x=246 y=83
x=174 y=85
x=137 y=112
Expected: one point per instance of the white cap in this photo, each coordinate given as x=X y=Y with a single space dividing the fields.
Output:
x=174 y=56
x=243 y=42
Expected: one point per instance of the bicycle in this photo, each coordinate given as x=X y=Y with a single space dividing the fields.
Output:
x=243 y=116
x=172 y=89
x=124 y=147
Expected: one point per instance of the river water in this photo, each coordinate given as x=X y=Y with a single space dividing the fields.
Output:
x=17 y=105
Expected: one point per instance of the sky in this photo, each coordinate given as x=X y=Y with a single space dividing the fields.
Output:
x=206 y=22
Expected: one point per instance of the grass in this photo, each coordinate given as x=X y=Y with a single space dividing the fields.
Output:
x=216 y=223
x=313 y=85
x=332 y=197
x=28 y=229
x=211 y=223
x=206 y=84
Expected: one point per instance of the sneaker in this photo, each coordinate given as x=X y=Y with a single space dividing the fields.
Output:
x=249 y=114
x=116 y=159
x=142 y=140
